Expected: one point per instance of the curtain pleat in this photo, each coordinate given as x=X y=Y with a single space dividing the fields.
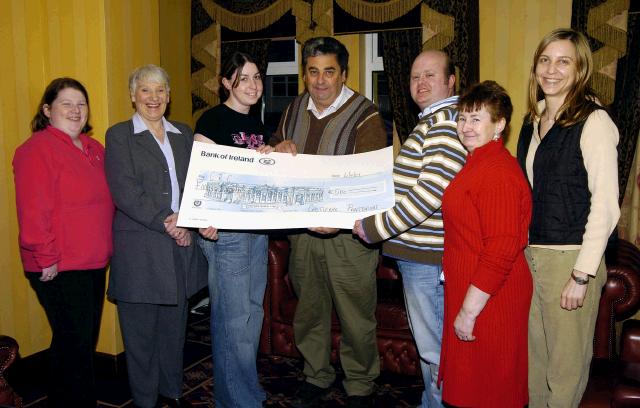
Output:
x=399 y=48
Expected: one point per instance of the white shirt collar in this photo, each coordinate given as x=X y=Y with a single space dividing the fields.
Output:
x=139 y=126
x=342 y=98
x=443 y=103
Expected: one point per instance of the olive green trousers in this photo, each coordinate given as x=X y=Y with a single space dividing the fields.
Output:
x=335 y=272
x=560 y=341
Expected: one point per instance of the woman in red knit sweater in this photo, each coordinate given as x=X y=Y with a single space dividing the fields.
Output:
x=488 y=287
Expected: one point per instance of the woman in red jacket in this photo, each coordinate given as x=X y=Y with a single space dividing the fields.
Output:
x=487 y=291
x=64 y=214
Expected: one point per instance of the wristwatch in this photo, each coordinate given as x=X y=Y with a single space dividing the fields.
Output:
x=578 y=280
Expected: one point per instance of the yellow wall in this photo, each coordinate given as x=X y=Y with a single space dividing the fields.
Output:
x=510 y=31
x=98 y=42
x=354 y=46
x=42 y=40
x=175 y=55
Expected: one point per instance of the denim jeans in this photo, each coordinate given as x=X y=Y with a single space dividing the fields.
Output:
x=237 y=281
x=424 y=300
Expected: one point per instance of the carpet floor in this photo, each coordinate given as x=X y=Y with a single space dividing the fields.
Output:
x=280 y=377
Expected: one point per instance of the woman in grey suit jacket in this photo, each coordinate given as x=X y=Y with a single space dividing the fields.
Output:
x=155 y=266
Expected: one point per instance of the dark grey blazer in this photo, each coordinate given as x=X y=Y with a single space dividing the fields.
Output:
x=143 y=266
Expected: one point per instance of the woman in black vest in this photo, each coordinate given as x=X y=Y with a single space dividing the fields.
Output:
x=567 y=148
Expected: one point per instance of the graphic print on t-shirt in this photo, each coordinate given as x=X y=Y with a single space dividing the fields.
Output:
x=251 y=141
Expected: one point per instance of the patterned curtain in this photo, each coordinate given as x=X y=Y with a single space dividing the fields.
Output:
x=594 y=18
x=629 y=224
x=461 y=42
x=207 y=52
x=626 y=105
x=399 y=48
x=246 y=16
x=205 y=59
x=464 y=50
x=627 y=110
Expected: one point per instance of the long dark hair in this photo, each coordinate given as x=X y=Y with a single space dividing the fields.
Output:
x=234 y=65
x=40 y=120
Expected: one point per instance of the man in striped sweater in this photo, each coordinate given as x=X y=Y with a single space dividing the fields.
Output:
x=412 y=230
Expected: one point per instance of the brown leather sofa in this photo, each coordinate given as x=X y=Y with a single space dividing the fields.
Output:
x=626 y=388
x=8 y=354
x=398 y=354
x=620 y=296
x=626 y=393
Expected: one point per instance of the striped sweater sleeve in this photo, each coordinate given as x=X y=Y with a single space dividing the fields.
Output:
x=429 y=159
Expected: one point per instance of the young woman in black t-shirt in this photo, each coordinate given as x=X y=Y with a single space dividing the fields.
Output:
x=237 y=259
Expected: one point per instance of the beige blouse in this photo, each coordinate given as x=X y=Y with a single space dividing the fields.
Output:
x=599 y=150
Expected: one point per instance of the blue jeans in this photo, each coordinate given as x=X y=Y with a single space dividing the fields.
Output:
x=237 y=281
x=424 y=300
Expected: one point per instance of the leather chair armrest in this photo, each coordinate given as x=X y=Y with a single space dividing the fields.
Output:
x=277 y=280
x=625 y=396
x=630 y=342
x=620 y=296
x=8 y=352
x=387 y=269
x=626 y=393
x=627 y=289
x=278 y=253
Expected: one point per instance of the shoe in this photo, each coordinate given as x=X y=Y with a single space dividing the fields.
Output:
x=201 y=307
x=173 y=402
x=360 y=401
x=308 y=395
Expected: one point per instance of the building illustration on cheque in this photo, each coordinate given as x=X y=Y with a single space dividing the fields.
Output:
x=258 y=195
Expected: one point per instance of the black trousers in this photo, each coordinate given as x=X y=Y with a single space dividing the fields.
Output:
x=73 y=303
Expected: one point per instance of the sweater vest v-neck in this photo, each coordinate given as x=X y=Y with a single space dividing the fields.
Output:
x=331 y=135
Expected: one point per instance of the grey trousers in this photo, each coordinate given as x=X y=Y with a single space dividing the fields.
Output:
x=154 y=338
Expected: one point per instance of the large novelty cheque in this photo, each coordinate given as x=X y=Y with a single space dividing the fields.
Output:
x=232 y=188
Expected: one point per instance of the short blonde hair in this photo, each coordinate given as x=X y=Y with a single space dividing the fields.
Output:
x=151 y=73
